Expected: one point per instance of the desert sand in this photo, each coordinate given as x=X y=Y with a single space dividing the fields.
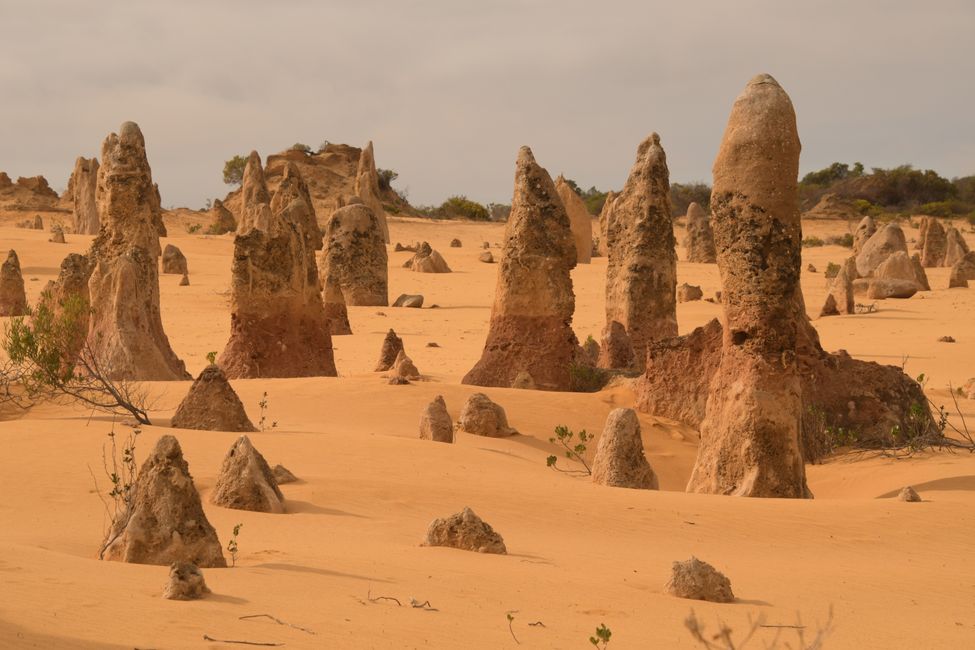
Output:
x=894 y=574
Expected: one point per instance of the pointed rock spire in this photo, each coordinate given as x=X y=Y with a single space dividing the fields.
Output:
x=212 y=405
x=246 y=481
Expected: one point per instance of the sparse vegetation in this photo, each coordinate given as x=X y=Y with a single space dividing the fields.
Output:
x=683 y=194
x=602 y=637
x=457 y=207
x=586 y=378
x=232 y=547
x=386 y=178
x=233 y=170
x=845 y=240
x=50 y=357
x=832 y=270
x=573 y=450
x=302 y=147
x=723 y=638
x=119 y=466
x=192 y=229
x=812 y=242
x=212 y=356
x=263 y=424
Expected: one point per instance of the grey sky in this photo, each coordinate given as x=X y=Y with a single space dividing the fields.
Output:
x=449 y=89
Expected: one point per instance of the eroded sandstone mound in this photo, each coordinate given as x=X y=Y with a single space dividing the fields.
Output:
x=212 y=405
x=185 y=582
x=935 y=244
x=435 y=423
x=881 y=245
x=865 y=230
x=641 y=269
x=355 y=255
x=125 y=332
x=246 y=481
x=840 y=299
x=482 y=417
x=173 y=261
x=13 y=297
x=278 y=326
x=427 y=260
x=165 y=522
x=579 y=220
x=619 y=459
x=466 y=531
x=81 y=190
x=222 y=219
x=392 y=347
x=698 y=580
x=531 y=319
x=962 y=271
x=336 y=311
x=750 y=433
x=956 y=246
x=699 y=241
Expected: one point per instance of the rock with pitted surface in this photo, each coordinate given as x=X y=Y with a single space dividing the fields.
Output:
x=455 y=243
x=57 y=234
x=698 y=580
x=435 y=423
x=212 y=405
x=13 y=297
x=689 y=293
x=699 y=241
x=616 y=350
x=367 y=188
x=173 y=261
x=482 y=417
x=840 y=299
x=355 y=255
x=619 y=459
x=81 y=190
x=413 y=301
x=962 y=271
x=920 y=276
x=392 y=347
x=605 y=216
x=531 y=319
x=750 y=436
x=125 y=330
x=579 y=220
x=185 y=582
x=641 y=270
x=909 y=494
x=956 y=246
x=245 y=481
x=164 y=522
x=935 y=244
x=865 y=230
x=404 y=367
x=278 y=326
x=427 y=260
x=255 y=199
x=283 y=475
x=486 y=257
x=466 y=531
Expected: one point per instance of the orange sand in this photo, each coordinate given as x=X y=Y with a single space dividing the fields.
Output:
x=895 y=574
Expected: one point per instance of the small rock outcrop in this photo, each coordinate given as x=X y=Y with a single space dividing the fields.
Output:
x=164 y=522
x=935 y=244
x=466 y=531
x=355 y=254
x=455 y=243
x=173 y=261
x=221 y=219
x=750 y=436
x=82 y=186
x=125 y=330
x=278 y=326
x=955 y=248
x=404 y=367
x=689 y=293
x=283 y=475
x=486 y=257
x=698 y=580
x=212 y=405
x=435 y=423
x=246 y=482
x=531 y=319
x=13 y=297
x=482 y=417
x=185 y=582
x=641 y=269
x=409 y=300
x=392 y=347
x=579 y=220
x=619 y=459
x=427 y=260
x=57 y=234
x=840 y=299
x=909 y=494
x=367 y=188
x=962 y=271
x=699 y=241
x=336 y=311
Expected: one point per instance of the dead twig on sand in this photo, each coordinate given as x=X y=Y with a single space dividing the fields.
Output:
x=278 y=621
x=378 y=598
x=511 y=619
x=425 y=605
x=269 y=645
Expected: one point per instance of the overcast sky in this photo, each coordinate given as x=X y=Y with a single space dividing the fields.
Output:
x=449 y=89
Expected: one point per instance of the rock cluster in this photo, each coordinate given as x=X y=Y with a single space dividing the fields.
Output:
x=531 y=319
x=641 y=269
x=125 y=332
x=212 y=405
x=466 y=531
x=427 y=260
x=164 y=522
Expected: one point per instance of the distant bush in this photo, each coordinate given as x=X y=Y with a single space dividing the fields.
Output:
x=233 y=170
x=813 y=242
x=386 y=178
x=832 y=270
x=835 y=172
x=323 y=146
x=682 y=195
x=845 y=240
x=587 y=379
x=950 y=208
x=499 y=211
x=299 y=146
x=460 y=207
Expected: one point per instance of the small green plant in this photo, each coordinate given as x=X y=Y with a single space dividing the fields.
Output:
x=192 y=229
x=812 y=242
x=263 y=422
x=233 y=170
x=232 y=547
x=565 y=437
x=118 y=464
x=302 y=147
x=511 y=619
x=601 y=639
x=212 y=357
x=845 y=240
x=832 y=270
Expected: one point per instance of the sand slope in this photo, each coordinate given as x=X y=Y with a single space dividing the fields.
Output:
x=895 y=574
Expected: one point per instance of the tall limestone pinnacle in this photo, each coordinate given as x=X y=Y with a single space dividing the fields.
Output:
x=125 y=331
x=531 y=320
x=367 y=186
x=751 y=428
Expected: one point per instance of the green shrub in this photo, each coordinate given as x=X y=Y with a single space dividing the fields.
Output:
x=812 y=242
x=587 y=379
x=841 y=240
x=460 y=207
x=832 y=270
x=233 y=170
x=386 y=178
x=300 y=146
